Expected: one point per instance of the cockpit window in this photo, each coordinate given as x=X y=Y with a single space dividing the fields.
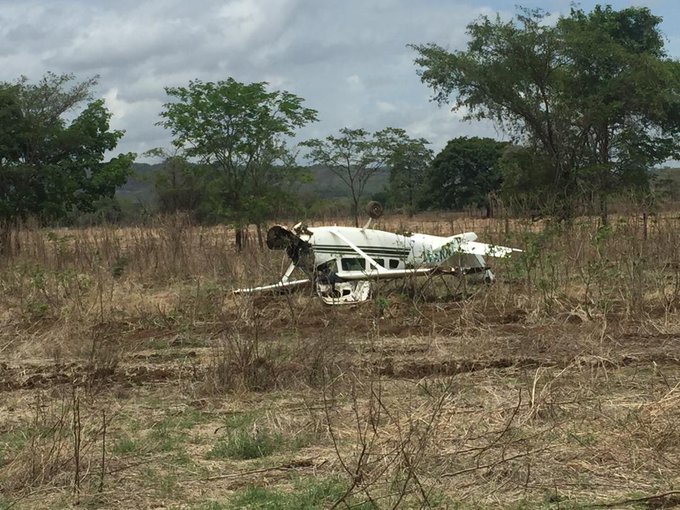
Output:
x=353 y=264
x=394 y=263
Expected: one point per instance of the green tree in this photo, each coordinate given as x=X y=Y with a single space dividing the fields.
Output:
x=239 y=129
x=526 y=181
x=409 y=164
x=48 y=165
x=355 y=156
x=626 y=93
x=181 y=186
x=465 y=172
x=594 y=93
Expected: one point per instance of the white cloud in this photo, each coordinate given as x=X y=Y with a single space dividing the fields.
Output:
x=354 y=81
x=117 y=107
x=385 y=107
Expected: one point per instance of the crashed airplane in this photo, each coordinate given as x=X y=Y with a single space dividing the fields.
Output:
x=341 y=262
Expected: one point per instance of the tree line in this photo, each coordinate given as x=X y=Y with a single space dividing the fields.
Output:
x=591 y=102
x=588 y=105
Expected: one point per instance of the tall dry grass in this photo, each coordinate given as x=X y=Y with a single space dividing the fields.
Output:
x=433 y=387
x=92 y=294
x=629 y=269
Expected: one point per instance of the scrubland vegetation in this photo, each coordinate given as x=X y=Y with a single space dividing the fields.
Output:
x=132 y=377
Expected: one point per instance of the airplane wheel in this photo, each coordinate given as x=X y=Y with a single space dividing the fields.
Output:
x=374 y=209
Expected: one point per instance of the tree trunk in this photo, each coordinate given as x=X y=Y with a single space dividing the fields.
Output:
x=604 y=210
x=7 y=247
x=239 y=238
x=5 y=236
x=260 y=242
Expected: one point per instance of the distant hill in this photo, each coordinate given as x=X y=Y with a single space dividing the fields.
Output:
x=668 y=179
x=139 y=187
x=667 y=172
x=324 y=184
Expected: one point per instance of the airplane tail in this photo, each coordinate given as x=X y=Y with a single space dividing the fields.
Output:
x=463 y=250
x=458 y=238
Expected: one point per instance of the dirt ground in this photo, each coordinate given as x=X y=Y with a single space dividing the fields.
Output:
x=132 y=382
x=442 y=410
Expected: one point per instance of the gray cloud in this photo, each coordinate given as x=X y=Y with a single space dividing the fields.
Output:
x=348 y=59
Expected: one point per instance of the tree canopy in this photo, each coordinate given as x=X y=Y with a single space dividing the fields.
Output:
x=409 y=164
x=595 y=94
x=181 y=186
x=356 y=155
x=241 y=130
x=465 y=173
x=48 y=165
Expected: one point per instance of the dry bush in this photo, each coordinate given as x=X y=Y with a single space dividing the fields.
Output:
x=570 y=433
x=58 y=444
x=248 y=362
x=59 y=289
x=387 y=448
x=252 y=352
x=628 y=269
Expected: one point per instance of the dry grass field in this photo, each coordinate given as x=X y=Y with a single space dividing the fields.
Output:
x=130 y=376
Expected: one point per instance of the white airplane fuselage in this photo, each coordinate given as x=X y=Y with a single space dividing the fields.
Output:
x=391 y=251
x=343 y=261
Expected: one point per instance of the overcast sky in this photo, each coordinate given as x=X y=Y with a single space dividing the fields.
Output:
x=348 y=58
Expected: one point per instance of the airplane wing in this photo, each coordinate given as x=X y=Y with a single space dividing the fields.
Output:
x=451 y=251
x=273 y=287
x=284 y=283
x=385 y=273
x=486 y=250
x=464 y=244
x=401 y=273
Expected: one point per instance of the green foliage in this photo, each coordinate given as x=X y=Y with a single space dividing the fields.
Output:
x=356 y=156
x=307 y=494
x=353 y=156
x=409 y=163
x=179 y=186
x=125 y=446
x=239 y=130
x=242 y=444
x=666 y=183
x=464 y=173
x=47 y=165
x=243 y=438
x=169 y=435
x=622 y=82
x=12 y=442
x=527 y=178
x=594 y=94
